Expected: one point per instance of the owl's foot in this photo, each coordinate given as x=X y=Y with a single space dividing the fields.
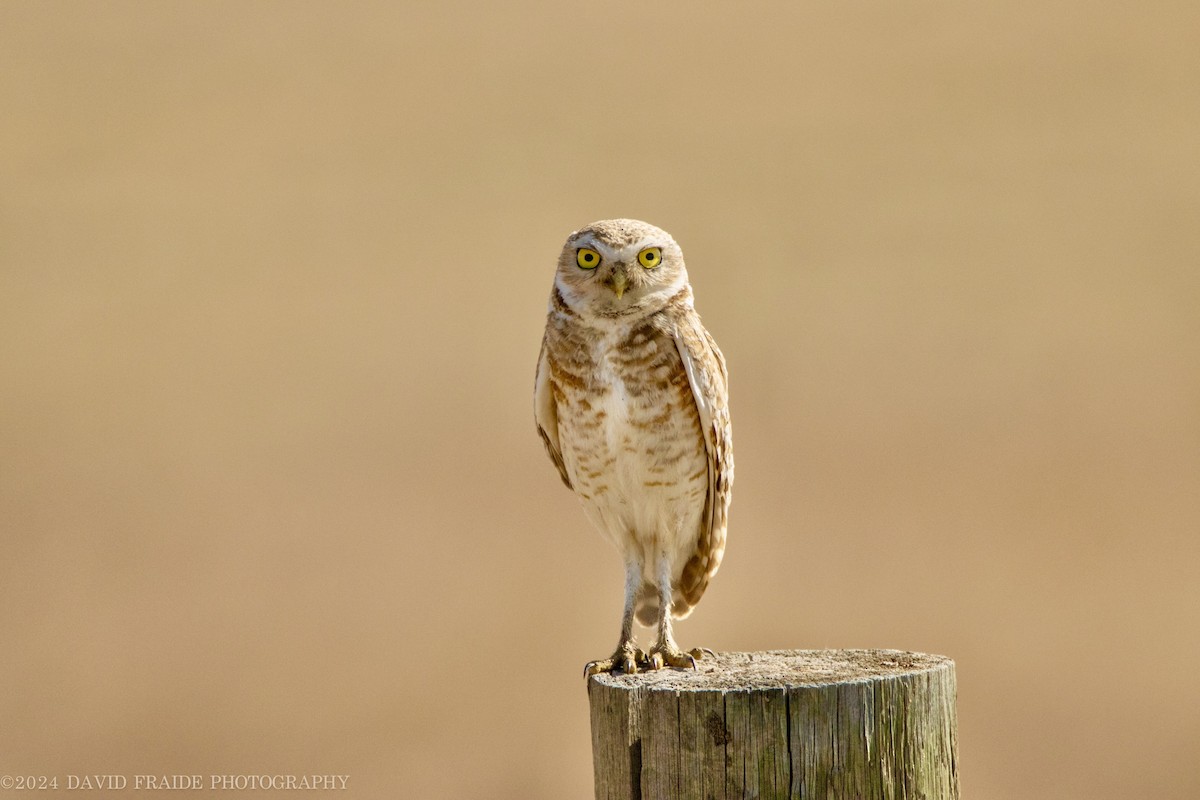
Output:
x=626 y=659
x=671 y=656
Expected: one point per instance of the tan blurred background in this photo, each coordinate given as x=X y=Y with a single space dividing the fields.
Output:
x=272 y=284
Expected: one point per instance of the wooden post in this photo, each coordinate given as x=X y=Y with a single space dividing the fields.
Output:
x=811 y=724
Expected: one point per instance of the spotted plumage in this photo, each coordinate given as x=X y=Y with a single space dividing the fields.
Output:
x=631 y=402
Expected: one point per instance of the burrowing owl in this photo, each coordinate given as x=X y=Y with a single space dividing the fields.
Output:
x=631 y=401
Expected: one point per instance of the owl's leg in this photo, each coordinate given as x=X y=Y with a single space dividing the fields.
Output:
x=627 y=655
x=665 y=652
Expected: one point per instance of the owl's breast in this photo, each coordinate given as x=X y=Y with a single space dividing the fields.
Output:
x=631 y=438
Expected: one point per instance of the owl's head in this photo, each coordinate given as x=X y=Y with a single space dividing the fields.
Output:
x=619 y=266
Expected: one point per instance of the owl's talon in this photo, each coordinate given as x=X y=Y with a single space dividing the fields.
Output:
x=671 y=657
x=699 y=653
x=596 y=667
x=624 y=660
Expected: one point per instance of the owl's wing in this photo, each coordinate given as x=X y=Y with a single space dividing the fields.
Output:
x=545 y=413
x=709 y=381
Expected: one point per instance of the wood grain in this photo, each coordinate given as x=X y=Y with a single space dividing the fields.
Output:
x=823 y=724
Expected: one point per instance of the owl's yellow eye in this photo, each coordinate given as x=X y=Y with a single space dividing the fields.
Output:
x=650 y=258
x=587 y=258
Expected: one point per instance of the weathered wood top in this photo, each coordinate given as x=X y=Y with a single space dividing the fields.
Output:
x=780 y=669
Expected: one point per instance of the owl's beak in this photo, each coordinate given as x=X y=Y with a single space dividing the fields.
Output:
x=619 y=282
